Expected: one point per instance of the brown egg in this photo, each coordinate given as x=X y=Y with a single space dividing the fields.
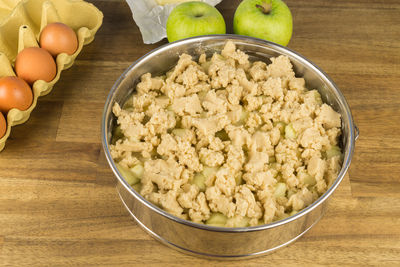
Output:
x=3 y=125
x=58 y=38
x=34 y=64
x=14 y=93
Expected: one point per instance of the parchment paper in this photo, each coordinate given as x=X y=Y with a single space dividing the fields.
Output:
x=152 y=18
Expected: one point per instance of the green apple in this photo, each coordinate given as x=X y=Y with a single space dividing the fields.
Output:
x=266 y=19
x=192 y=19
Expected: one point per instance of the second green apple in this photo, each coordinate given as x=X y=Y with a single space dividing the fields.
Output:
x=266 y=19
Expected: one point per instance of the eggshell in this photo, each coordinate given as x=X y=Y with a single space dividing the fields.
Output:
x=3 y=125
x=35 y=63
x=14 y=93
x=58 y=38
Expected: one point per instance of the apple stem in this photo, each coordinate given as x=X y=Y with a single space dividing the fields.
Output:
x=264 y=7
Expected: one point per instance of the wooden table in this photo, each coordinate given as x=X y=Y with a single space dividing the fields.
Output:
x=58 y=203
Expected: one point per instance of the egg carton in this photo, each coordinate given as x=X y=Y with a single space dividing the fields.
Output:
x=20 y=25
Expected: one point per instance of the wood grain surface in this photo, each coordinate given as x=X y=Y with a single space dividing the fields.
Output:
x=58 y=203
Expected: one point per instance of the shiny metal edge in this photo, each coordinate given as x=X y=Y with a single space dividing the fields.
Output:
x=212 y=256
x=233 y=37
x=356 y=132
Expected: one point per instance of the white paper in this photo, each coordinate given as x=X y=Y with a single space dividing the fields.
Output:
x=151 y=18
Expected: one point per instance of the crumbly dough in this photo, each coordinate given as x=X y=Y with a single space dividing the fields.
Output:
x=244 y=140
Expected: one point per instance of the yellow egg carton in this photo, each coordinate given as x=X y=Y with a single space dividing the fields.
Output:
x=20 y=25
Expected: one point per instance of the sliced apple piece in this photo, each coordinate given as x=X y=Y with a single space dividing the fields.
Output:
x=209 y=171
x=128 y=175
x=217 y=219
x=280 y=190
x=333 y=151
x=138 y=170
x=243 y=117
x=179 y=132
x=199 y=180
x=290 y=133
